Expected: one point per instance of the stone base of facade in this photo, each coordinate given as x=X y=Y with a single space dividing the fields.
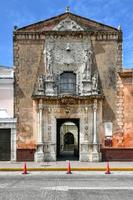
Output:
x=84 y=157
x=117 y=154
x=49 y=157
x=96 y=156
x=84 y=153
x=107 y=154
x=25 y=154
x=39 y=154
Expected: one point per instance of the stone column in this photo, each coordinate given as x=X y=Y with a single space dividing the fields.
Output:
x=13 y=141
x=39 y=155
x=95 y=153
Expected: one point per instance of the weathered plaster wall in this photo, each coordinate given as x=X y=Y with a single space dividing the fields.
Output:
x=27 y=60
x=106 y=63
x=124 y=138
x=128 y=115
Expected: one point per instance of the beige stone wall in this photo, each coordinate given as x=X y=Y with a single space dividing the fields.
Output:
x=106 y=63
x=27 y=61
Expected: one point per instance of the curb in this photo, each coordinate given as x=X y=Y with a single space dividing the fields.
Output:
x=64 y=169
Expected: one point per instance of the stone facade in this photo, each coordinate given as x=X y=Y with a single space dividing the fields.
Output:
x=48 y=52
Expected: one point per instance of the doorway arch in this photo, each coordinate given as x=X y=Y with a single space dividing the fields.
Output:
x=67 y=139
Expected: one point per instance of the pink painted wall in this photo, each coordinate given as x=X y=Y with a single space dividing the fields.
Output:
x=128 y=115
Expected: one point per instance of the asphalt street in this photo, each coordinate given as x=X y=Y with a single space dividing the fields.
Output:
x=58 y=185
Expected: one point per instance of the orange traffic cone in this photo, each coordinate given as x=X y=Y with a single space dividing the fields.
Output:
x=69 y=168
x=108 y=169
x=25 y=169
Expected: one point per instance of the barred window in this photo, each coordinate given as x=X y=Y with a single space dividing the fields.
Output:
x=68 y=83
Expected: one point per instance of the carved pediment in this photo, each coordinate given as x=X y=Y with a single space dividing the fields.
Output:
x=68 y=25
x=65 y=22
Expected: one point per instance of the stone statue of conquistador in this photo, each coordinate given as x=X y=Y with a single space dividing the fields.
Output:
x=87 y=63
x=49 y=61
x=40 y=83
x=94 y=82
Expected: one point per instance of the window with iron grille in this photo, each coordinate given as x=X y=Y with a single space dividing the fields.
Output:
x=68 y=83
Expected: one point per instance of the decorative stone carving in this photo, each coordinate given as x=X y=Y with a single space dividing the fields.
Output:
x=68 y=25
x=39 y=90
x=90 y=87
x=67 y=9
x=40 y=83
x=68 y=47
x=95 y=105
x=86 y=88
x=95 y=84
x=68 y=110
x=49 y=62
x=49 y=88
x=95 y=151
x=49 y=85
x=65 y=53
x=49 y=133
x=86 y=136
x=86 y=120
x=68 y=101
x=87 y=83
x=87 y=64
x=68 y=56
x=49 y=119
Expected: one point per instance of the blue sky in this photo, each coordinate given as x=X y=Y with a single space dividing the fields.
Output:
x=24 y=12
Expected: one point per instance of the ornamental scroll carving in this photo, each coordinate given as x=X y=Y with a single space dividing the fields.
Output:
x=68 y=25
x=60 y=52
x=68 y=101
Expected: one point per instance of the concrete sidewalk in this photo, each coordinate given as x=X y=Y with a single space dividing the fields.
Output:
x=62 y=166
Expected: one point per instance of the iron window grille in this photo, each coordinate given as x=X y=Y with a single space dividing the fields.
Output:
x=68 y=83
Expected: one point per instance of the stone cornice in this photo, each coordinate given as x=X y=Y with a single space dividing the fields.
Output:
x=99 y=35
x=61 y=98
x=126 y=73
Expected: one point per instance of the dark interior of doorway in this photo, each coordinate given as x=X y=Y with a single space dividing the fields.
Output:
x=66 y=156
x=5 y=144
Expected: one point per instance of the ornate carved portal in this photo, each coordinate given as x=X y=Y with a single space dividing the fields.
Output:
x=50 y=112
